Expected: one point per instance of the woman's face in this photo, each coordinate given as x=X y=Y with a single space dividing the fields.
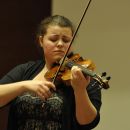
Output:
x=55 y=43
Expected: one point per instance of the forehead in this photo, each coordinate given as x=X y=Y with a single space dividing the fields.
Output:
x=55 y=29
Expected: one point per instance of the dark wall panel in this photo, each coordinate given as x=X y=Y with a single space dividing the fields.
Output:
x=18 y=21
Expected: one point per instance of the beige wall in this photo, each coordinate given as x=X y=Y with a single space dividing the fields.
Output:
x=104 y=37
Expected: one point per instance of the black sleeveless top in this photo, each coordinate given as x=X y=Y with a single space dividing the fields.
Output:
x=32 y=113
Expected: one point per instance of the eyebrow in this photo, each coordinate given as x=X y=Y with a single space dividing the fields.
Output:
x=65 y=36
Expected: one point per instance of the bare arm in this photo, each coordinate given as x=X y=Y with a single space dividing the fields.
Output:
x=85 y=110
x=10 y=91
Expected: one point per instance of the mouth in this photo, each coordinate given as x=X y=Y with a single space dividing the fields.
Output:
x=59 y=51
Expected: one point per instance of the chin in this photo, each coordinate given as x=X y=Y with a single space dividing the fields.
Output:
x=58 y=58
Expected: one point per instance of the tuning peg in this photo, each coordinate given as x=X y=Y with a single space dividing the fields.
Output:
x=103 y=74
x=108 y=78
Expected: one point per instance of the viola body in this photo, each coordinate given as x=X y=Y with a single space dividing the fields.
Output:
x=87 y=67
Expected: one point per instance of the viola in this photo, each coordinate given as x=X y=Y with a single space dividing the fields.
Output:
x=64 y=73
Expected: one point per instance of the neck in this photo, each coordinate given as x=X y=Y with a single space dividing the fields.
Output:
x=49 y=65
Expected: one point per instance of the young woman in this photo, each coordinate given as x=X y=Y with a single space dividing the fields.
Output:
x=33 y=106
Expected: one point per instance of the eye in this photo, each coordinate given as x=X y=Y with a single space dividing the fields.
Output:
x=53 y=39
x=66 y=39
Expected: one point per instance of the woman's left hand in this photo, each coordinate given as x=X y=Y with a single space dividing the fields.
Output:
x=78 y=80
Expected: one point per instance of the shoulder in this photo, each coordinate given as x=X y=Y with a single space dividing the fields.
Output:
x=30 y=68
x=30 y=64
x=27 y=66
x=22 y=71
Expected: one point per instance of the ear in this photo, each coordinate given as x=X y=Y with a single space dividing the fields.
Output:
x=40 y=39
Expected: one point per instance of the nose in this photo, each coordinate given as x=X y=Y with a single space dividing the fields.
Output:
x=60 y=43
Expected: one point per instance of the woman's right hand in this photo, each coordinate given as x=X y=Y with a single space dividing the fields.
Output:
x=9 y=91
x=41 y=88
